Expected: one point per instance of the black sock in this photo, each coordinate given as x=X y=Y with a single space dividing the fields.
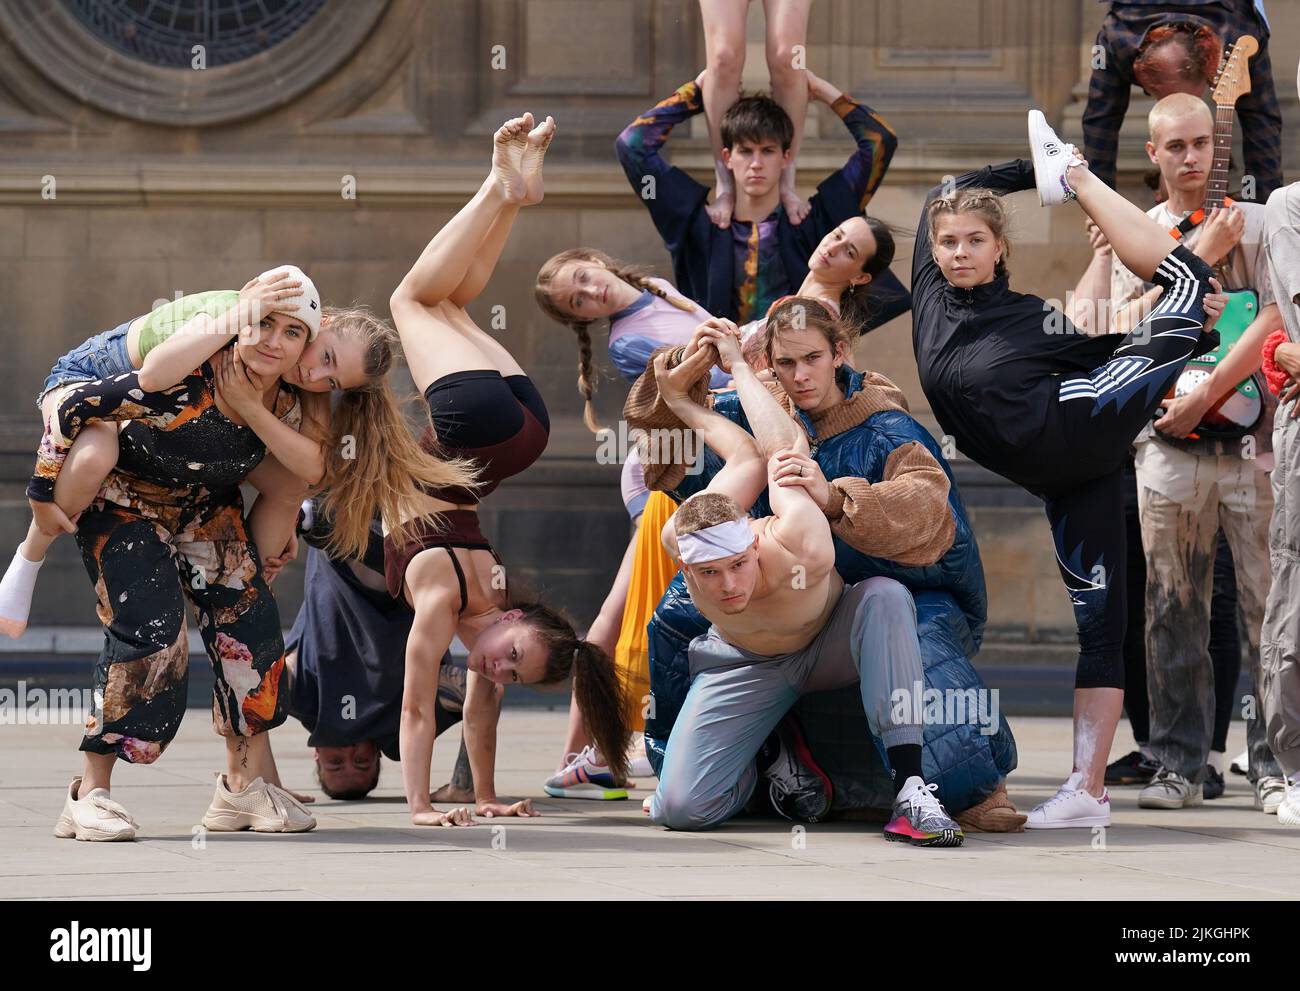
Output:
x=769 y=751
x=906 y=762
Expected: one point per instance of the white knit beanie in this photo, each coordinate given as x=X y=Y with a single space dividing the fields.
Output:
x=308 y=303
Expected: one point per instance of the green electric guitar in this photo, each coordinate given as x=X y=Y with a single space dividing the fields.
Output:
x=1238 y=411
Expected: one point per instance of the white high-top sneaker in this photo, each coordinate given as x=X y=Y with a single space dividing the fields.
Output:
x=1052 y=157
x=1072 y=807
x=94 y=816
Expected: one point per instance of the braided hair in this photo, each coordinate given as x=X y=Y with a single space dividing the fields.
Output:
x=636 y=276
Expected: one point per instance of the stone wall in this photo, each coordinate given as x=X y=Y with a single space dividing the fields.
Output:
x=401 y=102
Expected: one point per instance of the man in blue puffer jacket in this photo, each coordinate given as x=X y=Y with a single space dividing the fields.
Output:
x=894 y=511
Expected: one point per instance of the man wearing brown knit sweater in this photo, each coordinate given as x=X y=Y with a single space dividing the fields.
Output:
x=784 y=623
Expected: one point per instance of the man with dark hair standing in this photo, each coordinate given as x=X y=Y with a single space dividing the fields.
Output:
x=739 y=271
x=1170 y=48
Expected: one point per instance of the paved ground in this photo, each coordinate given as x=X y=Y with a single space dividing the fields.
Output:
x=1224 y=850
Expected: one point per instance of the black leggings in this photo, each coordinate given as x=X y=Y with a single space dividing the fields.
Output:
x=1085 y=442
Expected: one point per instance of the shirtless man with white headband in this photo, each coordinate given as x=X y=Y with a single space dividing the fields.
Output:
x=784 y=623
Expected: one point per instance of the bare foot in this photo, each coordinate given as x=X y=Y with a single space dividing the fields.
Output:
x=452 y=795
x=720 y=209
x=796 y=208
x=538 y=140
x=508 y=146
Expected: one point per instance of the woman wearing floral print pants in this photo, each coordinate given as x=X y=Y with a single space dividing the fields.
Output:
x=168 y=526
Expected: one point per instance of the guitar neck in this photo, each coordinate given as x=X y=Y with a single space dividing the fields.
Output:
x=1217 y=188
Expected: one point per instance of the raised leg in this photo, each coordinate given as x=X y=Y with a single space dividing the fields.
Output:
x=787 y=27
x=1138 y=241
x=724 y=48
x=438 y=336
x=484 y=260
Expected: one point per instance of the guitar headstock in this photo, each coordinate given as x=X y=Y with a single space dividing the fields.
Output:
x=1233 y=80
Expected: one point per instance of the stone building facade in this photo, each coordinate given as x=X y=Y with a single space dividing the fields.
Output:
x=356 y=128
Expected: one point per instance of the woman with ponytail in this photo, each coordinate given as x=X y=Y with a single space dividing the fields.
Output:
x=483 y=410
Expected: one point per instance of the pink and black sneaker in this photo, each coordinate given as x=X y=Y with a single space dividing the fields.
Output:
x=920 y=819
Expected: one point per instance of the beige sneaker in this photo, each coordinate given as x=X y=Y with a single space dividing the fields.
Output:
x=1270 y=791
x=260 y=807
x=93 y=817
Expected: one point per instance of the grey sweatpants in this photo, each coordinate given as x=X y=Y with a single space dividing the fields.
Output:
x=737 y=697
x=1280 y=636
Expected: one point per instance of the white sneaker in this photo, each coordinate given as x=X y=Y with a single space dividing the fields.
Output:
x=261 y=807
x=94 y=816
x=1241 y=763
x=583 y=777
x=638 y=764
x=1170 y=790
x=1072 y=807
x=1288 y=813
x=1052 y=157
x=1270 y=791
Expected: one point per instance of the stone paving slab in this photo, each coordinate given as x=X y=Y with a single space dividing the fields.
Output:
x=1224 y=850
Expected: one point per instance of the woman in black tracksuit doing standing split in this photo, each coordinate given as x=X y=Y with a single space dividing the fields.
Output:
x=1031 y=397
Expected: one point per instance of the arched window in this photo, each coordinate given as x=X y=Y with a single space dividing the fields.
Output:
x=165 y=32
x=187 y=62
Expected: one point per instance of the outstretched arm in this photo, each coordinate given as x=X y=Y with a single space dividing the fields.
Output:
x=430 y=636
x=204 y=334
x=876 y=140
x=743 y=476
x=800 y=525
x=927 y=280
x=668 y=192
x=482 y=714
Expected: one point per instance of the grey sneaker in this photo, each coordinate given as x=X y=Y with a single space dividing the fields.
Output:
x=920 y=819
x=1270 y=792
x=1169 y=790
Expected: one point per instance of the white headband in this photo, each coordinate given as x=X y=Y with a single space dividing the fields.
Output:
x=714 y=542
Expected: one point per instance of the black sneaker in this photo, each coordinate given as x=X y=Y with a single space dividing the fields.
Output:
x=1131 y=769
x=799 y=788
x=1214 y=784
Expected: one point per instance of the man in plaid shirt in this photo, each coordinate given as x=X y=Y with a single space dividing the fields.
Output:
x=1156 y=46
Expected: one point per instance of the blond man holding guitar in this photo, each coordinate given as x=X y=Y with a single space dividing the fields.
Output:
x=1203 y=465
